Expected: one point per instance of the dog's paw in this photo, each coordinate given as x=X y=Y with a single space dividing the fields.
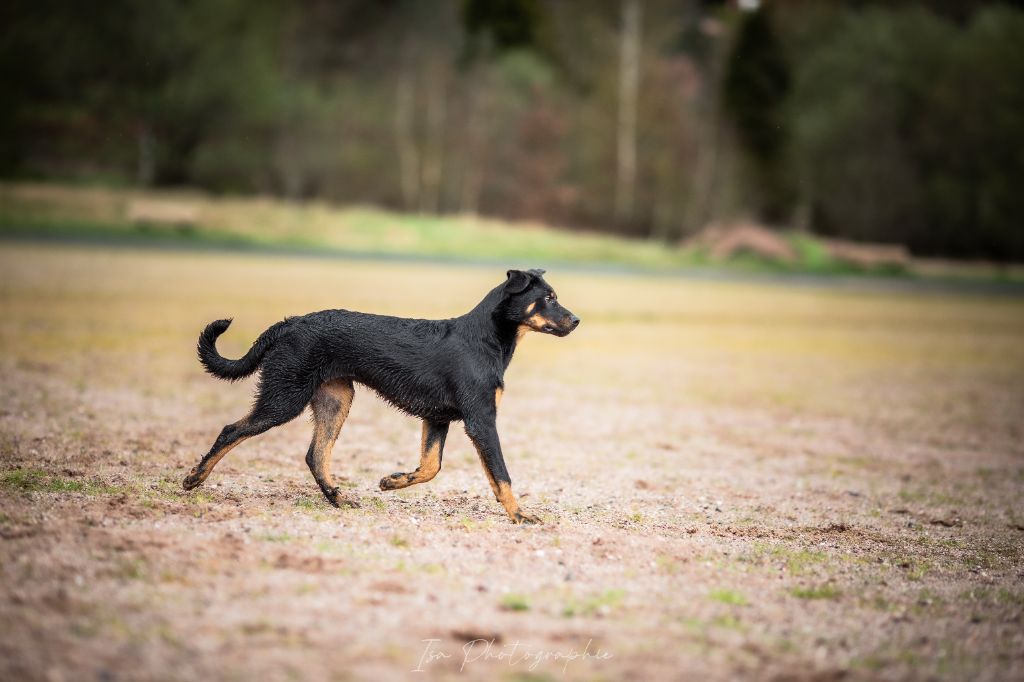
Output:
x=338 y=500
x=521 y=518
x=193 y=480
x=393 y=481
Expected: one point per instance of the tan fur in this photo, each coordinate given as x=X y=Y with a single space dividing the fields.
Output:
x=507 y=499
x=328 y=426
x=503 y=493
x=487 y=472
x=534 y=323
x=430 y=464
x=498 y=393
x=537 y=322
x=200 y=472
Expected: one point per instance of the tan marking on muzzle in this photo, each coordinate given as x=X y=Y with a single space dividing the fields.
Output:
x=536 y=322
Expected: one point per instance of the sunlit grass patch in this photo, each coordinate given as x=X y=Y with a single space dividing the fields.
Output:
x=130 y=569
x=726 y=596
x=727 y=621
x=1000 y=596
x=598 y=604
x=197 y=497
x=816 y=592
x=514 y=602
x=311 y=503
x=796 y=561
x=332 y=547
x=668 y=564
x=37 y=480
x=104 y=214
x=702 y=628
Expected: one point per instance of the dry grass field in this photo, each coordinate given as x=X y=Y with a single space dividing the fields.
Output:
x=737 y=480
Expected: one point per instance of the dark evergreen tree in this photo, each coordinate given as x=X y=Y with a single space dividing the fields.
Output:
x=755 y=89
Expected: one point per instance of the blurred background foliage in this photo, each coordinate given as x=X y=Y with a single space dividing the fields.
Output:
x=887 y=122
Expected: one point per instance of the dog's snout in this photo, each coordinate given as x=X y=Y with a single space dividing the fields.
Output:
x=574 y=321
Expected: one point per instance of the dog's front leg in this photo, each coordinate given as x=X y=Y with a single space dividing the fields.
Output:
x=484 y=434
x=431 y=450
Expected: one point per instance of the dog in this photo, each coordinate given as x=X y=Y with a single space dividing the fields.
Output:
x=441 y=371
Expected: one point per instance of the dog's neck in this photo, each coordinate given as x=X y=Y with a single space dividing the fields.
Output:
x=498 y=334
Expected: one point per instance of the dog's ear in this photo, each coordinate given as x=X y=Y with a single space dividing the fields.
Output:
x=537 y=271
x=518 y=281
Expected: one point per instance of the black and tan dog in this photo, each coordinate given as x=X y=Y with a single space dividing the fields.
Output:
x=438 y=370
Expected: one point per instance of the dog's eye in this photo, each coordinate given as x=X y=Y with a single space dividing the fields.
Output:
x=550 y=297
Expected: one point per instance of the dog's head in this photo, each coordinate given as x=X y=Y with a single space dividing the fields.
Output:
x=533 y=305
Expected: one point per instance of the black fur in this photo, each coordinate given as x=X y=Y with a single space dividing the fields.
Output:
x=233 y=370
x=438 y=370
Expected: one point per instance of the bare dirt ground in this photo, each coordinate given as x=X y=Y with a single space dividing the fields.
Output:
x=767 y=482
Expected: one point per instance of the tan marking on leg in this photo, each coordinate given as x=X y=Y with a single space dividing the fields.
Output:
x=507 y=499
x=487 y=472
x=503 y=493
x=327 y=427
x=201 y=472
x=430 y=464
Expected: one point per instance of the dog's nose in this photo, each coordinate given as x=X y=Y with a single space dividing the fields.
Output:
x=575 y=321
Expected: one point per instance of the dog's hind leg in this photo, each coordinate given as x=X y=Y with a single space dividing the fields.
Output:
x=265 y=415
x=230 y=436
x=431 y=450
x=331 y=403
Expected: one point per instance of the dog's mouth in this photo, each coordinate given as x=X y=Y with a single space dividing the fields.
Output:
x=560 y=330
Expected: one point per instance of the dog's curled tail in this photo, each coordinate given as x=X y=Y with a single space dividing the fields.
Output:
x=222 y=367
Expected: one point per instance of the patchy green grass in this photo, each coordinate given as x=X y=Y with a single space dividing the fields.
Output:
x=598 y=604
x=309 y=503
x=998 y=596
x=130 y=569
x=514 y=602
x=795 y=561
x=730 y=597
x=727 y=621
x=816 y=592
x=37 y=480
x=106 y=215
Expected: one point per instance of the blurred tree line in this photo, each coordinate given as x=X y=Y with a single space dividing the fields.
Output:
x=892 y=122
